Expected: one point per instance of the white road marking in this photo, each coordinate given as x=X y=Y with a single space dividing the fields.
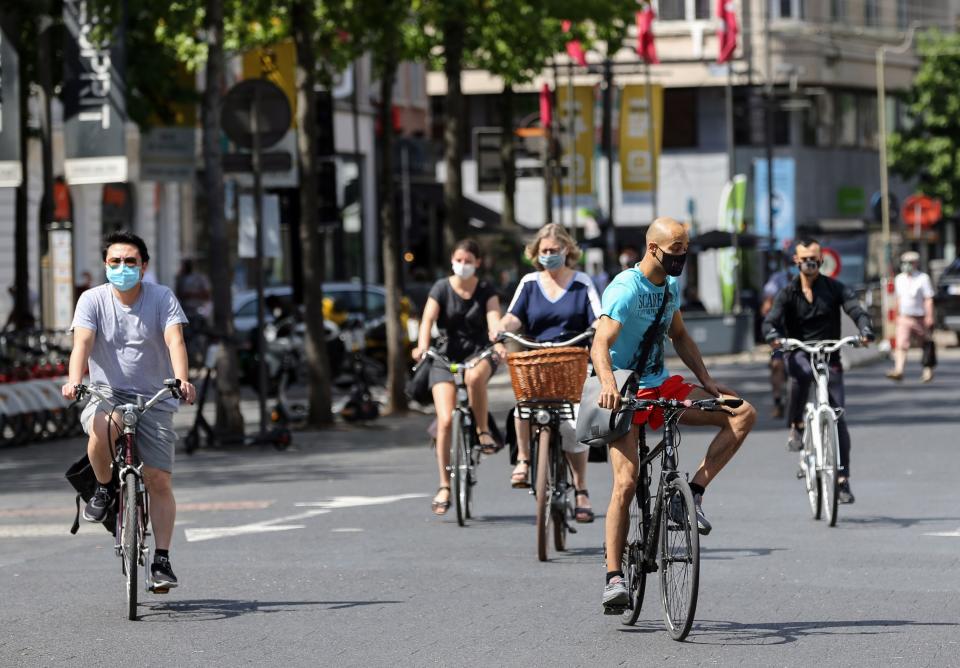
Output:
x=346 y=530
x=266 y=526
x=48 y=530
x=357 y=501
x=948 y=534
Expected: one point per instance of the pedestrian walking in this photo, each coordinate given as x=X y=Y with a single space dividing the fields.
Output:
x=914 y=292
x=778 y=375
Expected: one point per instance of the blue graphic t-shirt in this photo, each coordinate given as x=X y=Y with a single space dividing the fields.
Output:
x=633 y=301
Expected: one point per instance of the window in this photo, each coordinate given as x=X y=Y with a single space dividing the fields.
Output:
x=683 y=10
x=903 y=14
x=838 y=10
x=867 y=127
x=826 y=120
x=846 y=119
x=871 y=14
x=786 y=9
x=680 y=113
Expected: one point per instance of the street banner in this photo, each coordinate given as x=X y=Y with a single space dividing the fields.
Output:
x=276 y=63
x=94 y=104
x=11 y=173
x=168 y=148
x=637 y=156
x=247 y=242
x=784 y=199
x=61 y=272
x=733 y=201
x=581 y=154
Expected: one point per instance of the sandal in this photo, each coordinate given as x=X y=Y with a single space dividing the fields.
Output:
x=441 y=507
x=519 y=480
x=582 y=514
x=491 y=448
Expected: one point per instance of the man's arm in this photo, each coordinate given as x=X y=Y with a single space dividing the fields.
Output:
x=773 y=324
x=83 y=340
x=689 y=353
x=608 y=330
x=173 y=336
x=859 y=315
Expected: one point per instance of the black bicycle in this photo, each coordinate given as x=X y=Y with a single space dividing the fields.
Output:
x=552 y=479
x=666 y=539
x=133 y=505
x=465 y=448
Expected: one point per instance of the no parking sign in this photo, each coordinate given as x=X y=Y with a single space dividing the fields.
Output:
x=831 y=263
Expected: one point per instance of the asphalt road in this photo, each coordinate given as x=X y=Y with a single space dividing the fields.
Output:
x=327 y=555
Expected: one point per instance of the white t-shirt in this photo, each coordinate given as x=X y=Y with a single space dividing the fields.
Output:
x=912 y=289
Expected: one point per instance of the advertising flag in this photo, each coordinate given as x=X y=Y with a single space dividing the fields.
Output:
x=646 y=48
x=641 y=132
x=733 y=201
x=784 y=199
x=580 y=155
x=574 y=47
x=727 y=31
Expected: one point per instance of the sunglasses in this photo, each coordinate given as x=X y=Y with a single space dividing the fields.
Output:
x=128 y=261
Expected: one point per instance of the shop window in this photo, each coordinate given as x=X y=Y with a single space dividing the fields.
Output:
x=680 y=118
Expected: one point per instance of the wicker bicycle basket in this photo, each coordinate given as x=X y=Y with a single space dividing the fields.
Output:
x=551 y=373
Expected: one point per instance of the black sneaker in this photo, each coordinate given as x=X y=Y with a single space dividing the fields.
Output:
x=844 y=495
x=99 y=505
x=162 y=572
x=795 y=442
x=677 y=515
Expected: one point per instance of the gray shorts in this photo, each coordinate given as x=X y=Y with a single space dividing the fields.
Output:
x=156 y=437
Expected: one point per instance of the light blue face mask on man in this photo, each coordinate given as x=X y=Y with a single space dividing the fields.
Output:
x=123 y=278
x=551 y=262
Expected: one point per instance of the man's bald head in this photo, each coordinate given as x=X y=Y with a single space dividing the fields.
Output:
x=665 y=232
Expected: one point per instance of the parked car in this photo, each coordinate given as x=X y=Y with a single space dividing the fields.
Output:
x=946 y=298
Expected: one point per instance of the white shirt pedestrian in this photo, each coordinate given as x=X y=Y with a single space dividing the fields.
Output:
x=914 y=292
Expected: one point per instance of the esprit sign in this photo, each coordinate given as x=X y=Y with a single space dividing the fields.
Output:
x=93 y=99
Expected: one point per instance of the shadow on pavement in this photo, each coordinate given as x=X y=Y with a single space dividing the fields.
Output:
x=709 y=632
x=725 y=553
x=880 y=521
x=218 y=609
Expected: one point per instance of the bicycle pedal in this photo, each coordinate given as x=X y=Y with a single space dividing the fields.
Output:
x=160 y=590
x=615 y=609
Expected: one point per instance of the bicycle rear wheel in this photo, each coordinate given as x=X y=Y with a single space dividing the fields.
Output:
x=679 y=558
x=130 y=541
x=811 y=477
x=561 y=507
x=459 y=483
x=631 y=563
x=828 y=476
x=542 y=491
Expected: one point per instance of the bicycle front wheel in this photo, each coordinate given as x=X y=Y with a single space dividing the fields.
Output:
x=679 y=558
x=542 y=491
x=811 y=476
x=459 y=463
x=631 y=563
x=130 y=541
x=828 y=476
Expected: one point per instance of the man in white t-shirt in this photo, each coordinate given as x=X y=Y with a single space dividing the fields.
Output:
x=914 y=316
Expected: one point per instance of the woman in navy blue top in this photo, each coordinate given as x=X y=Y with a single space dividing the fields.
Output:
x=553 y=303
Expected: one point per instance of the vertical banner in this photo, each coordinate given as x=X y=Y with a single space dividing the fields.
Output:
x=11 y=174
x=61 y=283
x=94 y=105
x=733 y=201
x=637 y=156
x=580 y=155
x=784 y=199
x=168 y=151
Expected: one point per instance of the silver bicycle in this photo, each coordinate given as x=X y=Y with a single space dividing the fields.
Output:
x=820 y=456
x=133 y=514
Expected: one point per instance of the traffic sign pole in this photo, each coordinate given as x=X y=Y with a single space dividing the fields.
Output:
x=258 y=261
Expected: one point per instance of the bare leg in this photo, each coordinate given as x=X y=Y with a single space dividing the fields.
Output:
x=477 y=379
x=578 y=464
x=523 y=450
x=899 y=359
x=733 y=430
x=99 y=447
x=444 y=397
x=625 y=462
x=163 y=507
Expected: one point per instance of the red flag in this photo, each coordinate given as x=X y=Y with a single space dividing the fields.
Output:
x=546 y=110
x=574 y=47
x=646 y=48
x=727 y=32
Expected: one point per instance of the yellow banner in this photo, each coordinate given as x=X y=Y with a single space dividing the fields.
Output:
x=638 y=164
x=583 y=137
x=276 y=63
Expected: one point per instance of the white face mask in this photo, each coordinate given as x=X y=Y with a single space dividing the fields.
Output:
x=463 y=269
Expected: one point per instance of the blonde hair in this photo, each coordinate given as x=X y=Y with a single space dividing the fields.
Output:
x=553 y=231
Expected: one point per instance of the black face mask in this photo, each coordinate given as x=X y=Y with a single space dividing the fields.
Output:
x=808 y=267
x=672 y=263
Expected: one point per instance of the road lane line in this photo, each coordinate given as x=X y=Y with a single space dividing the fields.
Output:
x=358 y=501
x=266 y=526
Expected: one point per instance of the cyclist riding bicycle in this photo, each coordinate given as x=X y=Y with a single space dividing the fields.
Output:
x=465 y=309
x=808 y=309
x=631 y=305
x=130 y=334
x=551 y=304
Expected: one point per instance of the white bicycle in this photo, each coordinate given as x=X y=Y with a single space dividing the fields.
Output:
x=820 y=457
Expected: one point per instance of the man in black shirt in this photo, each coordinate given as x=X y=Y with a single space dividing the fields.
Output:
x=808 y=308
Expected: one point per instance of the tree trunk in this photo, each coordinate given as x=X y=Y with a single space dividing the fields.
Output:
x=318 y=366
x=453 y=39
x=508 y=164
x=396 y=359
x=229 y=418
x=22 y=316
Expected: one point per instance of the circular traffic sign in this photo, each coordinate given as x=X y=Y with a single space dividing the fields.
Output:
x=831 y=263
x=922 y=210
x=273 y=117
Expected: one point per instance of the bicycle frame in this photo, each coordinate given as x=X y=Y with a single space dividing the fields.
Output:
x=819 y=412
x=547 y=414
x=666 y=450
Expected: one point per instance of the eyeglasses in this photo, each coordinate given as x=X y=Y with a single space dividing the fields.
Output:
x=128 y=261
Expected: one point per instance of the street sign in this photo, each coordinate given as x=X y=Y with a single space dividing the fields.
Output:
x=273 y=161
x=831 y=263
x=922 y=211
x=273 y=116
x=876 y=207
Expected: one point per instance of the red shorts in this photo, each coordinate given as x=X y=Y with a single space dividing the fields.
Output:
x=672 y=388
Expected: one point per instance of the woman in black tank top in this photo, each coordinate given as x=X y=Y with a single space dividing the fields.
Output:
x=466 y=310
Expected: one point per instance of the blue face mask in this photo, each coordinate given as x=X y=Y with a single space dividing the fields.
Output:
x=123 y=278
x=551 y=262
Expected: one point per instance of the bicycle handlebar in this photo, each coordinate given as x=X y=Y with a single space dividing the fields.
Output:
x=717 y=404
x=826 y=346
x=171 y=385
x=527 y=343
x=453 y=366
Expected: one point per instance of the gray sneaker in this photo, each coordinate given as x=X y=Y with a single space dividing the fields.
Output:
x=844 y=493
x=795 y=442
x=676 y=513
x=615 y=594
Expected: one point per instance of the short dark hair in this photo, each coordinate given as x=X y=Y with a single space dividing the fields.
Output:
x=129 y=238
x=470 y=246
x=806 y=241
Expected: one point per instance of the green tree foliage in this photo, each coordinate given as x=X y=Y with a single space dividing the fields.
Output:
x=927 y=150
